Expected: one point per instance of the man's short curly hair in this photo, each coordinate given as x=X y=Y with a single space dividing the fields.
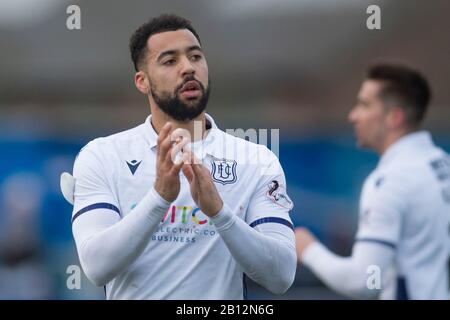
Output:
x=162 y=23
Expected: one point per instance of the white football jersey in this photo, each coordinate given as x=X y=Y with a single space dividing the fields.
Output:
x=405 y=205
x=186 y=257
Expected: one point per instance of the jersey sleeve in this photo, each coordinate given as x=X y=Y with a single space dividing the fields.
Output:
x=270 y=202
x=382 y=209
x=92 y=189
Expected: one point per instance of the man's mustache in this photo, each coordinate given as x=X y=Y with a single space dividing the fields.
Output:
x=187 y=79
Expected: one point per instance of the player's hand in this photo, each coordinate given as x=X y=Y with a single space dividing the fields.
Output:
x=203 y=189
x=167 y=182
x=303 y=239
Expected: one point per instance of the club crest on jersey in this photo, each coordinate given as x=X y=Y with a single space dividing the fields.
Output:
x=277 y=193
x=224 y=171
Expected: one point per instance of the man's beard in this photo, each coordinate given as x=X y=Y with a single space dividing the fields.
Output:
x=178 y=110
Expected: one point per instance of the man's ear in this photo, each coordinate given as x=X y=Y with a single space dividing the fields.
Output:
x=141 y=82
x=397 y=117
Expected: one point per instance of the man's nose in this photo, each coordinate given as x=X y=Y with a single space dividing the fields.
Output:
x=187 y=67
x=352 y=115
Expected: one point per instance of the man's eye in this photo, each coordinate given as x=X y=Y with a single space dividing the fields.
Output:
x=196 y=57
x=169 y=62
x=361 y=104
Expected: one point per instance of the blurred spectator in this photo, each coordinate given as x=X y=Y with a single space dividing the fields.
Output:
x=22 y=271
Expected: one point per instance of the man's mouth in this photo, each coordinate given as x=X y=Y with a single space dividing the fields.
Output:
x=191 y=89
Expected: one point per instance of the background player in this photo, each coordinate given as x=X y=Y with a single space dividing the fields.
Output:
x=405 y=202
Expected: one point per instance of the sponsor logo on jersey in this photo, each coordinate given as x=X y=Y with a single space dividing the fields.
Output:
x=183 y=224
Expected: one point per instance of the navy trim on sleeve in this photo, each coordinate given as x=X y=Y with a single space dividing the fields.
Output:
x=402 y=292
x=244 y=287
x=273 y=220
x=101 y=205
x=383 y=242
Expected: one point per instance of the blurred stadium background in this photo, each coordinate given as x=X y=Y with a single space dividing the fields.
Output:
x=295 y=65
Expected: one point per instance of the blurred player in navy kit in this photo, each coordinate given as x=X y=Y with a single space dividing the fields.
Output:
x=405 y=202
